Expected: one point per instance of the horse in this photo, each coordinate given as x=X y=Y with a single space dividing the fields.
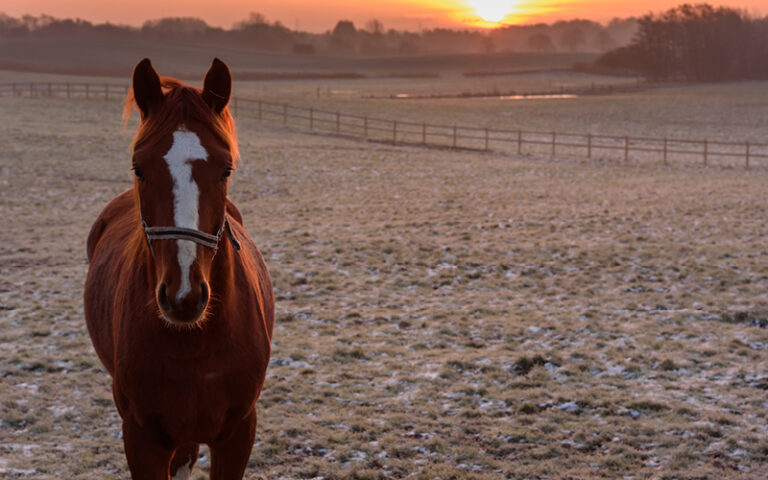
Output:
x=178 y=299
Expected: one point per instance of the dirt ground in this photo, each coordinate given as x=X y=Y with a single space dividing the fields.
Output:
x=439 y=314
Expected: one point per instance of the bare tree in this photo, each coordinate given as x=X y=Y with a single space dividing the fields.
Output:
x=573 y=39
x=375 y=27
x=696 y=42
x=604 y=41
x=541 y=42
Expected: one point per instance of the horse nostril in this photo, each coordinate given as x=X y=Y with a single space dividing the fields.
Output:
x=162 y=298
x=204 y=295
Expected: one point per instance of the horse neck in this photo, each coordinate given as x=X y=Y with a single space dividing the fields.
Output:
x=222 y=276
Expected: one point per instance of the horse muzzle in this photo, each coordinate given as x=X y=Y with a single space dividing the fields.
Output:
x=188 y=309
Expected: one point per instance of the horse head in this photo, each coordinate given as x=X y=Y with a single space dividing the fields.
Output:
x=183 y=154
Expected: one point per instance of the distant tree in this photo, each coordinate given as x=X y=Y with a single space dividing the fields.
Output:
x=407 y=43
x=408 y=47
x=344 y=37
x=573 y=38
x=489 y=46
x=12 y=26
x=34 y=23
x=256 y=32
x=254 y=18
x=303 y=49
x=696 y=42
x=372 y=38
x=180 y=28
x=375 y=27
x=344 y=29
x=623 y=30
x=541 y=42
x=604 y=41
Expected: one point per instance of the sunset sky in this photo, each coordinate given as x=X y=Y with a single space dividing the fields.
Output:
x=318 y=16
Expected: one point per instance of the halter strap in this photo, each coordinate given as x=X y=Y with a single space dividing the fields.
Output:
x=191 y=234
x=180 y=233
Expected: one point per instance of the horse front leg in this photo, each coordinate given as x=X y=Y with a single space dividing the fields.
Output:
x=184 y=459
x=229 y=457
x=148 y=458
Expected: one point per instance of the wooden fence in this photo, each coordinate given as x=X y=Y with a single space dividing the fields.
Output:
x=619 y=149
x=67 y=89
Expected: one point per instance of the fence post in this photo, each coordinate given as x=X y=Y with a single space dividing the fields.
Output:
x=554 y=136
x=454 y=136
x=338 y=122
x=589 y=145
x=311 y=117
x=626 y=149
x=706 y=148
x=486 y=139
x=665 y=150
x=394 y=131
x=747 y=155
x=519 y=141
x=285 y=113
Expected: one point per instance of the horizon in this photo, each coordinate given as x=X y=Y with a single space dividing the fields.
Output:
x=399 y=14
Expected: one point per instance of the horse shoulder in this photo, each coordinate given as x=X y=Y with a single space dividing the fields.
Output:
x=116 y=208
x=255 y=269
x=107 y=247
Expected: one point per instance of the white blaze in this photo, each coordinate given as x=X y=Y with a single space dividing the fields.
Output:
x=186 y=148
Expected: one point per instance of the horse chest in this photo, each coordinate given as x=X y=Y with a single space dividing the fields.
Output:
x=192 y=397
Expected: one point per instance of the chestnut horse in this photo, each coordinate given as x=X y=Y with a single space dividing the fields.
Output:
x=178 y=299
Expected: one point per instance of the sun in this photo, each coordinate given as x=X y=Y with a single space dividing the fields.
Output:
x=491 y=10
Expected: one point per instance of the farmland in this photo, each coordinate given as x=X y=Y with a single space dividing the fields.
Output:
x=439 y=313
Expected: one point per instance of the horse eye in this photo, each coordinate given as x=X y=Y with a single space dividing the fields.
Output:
x=139 y=174
x=226 y=174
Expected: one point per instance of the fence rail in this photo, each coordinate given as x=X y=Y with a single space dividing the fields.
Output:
x=627 y=149
x=67 y=89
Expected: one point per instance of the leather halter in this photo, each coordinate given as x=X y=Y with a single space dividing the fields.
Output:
x=191 y=234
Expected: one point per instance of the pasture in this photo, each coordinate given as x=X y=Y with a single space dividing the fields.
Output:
x=440 y=314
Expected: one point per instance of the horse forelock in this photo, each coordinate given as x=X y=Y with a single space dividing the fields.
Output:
x=181 y=104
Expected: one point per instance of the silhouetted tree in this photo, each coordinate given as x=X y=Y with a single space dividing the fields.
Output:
x=375 y=27
x=257 y=33
x=541 y=42
x=344 y=37
x=573 y=38
x=604 y=41
x=695 y=42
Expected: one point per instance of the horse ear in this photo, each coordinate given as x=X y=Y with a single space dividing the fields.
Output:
x=146 y=87
x=217 y=85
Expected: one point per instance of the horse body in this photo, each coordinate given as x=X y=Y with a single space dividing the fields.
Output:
x=185 y=370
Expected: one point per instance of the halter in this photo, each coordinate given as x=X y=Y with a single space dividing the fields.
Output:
x=191 y=234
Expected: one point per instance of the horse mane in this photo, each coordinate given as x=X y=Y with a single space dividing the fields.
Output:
x=181 y=103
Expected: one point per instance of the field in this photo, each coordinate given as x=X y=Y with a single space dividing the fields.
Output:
x=440 y=314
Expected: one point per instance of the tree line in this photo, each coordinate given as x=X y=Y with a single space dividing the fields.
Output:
x=257 y=33
x=695 y=43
